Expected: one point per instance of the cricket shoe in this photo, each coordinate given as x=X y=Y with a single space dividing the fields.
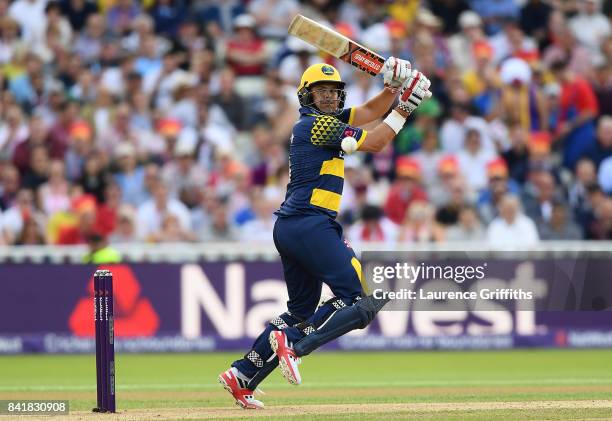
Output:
x=287 y=359
x=237 y=387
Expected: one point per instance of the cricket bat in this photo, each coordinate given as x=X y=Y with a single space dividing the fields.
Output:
x=336 y=44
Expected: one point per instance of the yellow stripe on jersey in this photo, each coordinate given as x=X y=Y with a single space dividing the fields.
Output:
x=326 y=199
x=361 y=139
x=351 y=116
x=334 y=166
x=357 y=266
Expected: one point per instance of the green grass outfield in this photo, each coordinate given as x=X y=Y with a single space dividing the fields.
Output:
x=504 y=385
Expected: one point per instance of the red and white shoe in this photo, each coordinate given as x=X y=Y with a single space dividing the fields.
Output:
x=237 y=387
x=287 y=359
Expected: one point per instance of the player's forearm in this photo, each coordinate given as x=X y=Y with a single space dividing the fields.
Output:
x=381 y=103
x=377 y=139
x=375 y=108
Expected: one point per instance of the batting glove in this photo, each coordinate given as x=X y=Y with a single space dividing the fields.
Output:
x=395 y=71
x=413 y=91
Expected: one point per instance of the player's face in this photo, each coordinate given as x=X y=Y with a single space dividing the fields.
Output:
x=326 y=97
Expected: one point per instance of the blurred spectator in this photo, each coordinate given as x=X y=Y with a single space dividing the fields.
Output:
x=190 y=37
x=273 y=16
x=302 y=55
x=482 y=82
x=78 y=11
x=183 y=175
x=428 y=157
x=468 y=227
x=259 y=228
x=440 y=191
x=362 y=90
x=462 y=42
x=540 y=195
x=511 y=42
x=151 y=214
x=171 y=231
x=534 y=15
x=448 y=213
x=232 y=103
x=39 y=168
x=512 y=228
x=373 y=226
x=31 y=234
x=602 y=85
x=123 y=132
x=54 y=195
x=405 y=190
x=523 y=101
x=602 y=147
x=455 y=128
x=13 y=131
x=473 y=160
x=498 y=186
x=9 y=39
x=565 y=48
x=245 y=51
x=419 y=225
x=80 y=146
x=88 y=44
x=108 y=209
x=130 y=176
x=78 y=231
x=141 y=28
x=496 y=12
x=584 y=176
x=601 y=227
x=15 y=217
x=99 y=251
x=168 y=15
x=277 y=110
x=578 y=109
x=57 y=25
x=598 y=26
x=449 y=11
x=182 y=104
x=9 y=185
x=30 y=14
x=121 y=15
x=517 y=156
x=560 y=226
x=58 y=138
x=604 y=175
x=220 y=228
x=125 y=231
x=94 y=177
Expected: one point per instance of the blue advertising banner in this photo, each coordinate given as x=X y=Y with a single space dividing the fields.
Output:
x=162 y=307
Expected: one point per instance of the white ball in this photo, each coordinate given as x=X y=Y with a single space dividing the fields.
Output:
x=349 y=144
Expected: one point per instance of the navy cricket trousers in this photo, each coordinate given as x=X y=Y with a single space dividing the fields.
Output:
x=313 y=251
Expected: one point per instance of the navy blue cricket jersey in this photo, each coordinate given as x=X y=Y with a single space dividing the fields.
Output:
x=316 y=163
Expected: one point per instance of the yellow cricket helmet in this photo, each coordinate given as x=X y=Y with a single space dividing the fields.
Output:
x=319 y=73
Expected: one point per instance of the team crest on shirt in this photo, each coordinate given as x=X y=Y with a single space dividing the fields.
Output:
x=349 y=132
x=328 y=70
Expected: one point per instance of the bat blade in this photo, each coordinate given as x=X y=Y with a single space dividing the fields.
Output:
x=336 y=44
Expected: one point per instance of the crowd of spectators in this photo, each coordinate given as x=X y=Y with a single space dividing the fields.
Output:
x=169 y=120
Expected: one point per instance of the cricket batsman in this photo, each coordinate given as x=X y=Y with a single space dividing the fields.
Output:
x=306 y=234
